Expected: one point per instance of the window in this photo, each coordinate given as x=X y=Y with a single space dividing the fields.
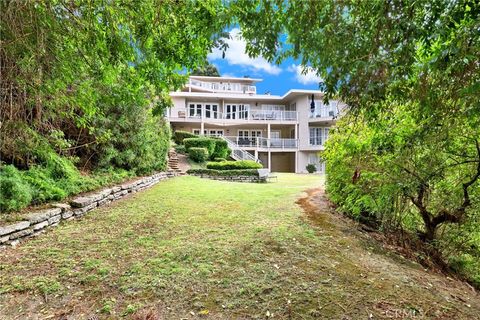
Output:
x=243 y=111
x=315 y=159
x=211 y=111
x=195 y=110
x=316 y=136
x=197 y=132
x=216 y=133
x=231 y=111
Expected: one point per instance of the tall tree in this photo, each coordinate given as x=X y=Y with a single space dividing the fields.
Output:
x=208 y=69
x=390 y=60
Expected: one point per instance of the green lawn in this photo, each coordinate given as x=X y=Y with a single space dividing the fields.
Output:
x=191 y=247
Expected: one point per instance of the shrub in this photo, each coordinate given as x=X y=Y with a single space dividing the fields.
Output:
x=180 y=148
x=311 y=168
x=198 y=154
x=219 y=159
x=179 y=136
x=207 y=143
x=221 y=149
x=234 y=165
x=14 y=192
x=225 y=173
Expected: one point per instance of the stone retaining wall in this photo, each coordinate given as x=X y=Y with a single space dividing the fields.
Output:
x=36 y=222
x=230 y=178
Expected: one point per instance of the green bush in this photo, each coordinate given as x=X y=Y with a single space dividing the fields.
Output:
x=15 y=193
x=221 y=149
x=180 y=148
x=198 y=154
x=234 y=165
x=207 y=143
x=219 y=159
x=225 y=173
x=311 y=168
x=179 y=136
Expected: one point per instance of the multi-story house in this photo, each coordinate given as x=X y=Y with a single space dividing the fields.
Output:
x=284 y=133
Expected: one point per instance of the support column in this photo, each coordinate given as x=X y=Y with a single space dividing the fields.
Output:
x=296 y=162
x=269 y=159
x=256 y=153
x=268 y=140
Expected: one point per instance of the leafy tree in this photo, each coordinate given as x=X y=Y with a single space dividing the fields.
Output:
x=207 y=70
x=88 y=82
x=377 y=55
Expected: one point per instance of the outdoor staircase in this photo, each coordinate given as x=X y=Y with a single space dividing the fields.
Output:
x=238 y=153
x=173 y=161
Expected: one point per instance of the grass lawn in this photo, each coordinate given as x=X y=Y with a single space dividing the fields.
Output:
x=191 y=247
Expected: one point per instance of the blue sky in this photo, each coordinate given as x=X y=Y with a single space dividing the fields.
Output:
x=276 y=79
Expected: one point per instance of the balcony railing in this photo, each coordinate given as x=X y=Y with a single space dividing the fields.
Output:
x=224 y=87
x=259 y=142
x=241 y=115
x=325 y=111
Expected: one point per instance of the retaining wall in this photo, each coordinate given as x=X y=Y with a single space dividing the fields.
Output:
x=230 y=178
x=37 y=221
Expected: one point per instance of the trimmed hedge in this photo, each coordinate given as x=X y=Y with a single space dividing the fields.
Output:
x=179 y=136
x=221 y=149
x=234 y=165
x=207 y=143
x=224 y=173
x=180 y=148
x=198 y=154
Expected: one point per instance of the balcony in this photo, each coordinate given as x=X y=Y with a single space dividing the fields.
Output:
x=265 y=143
x=325 y=111
x=223 y=86
x=247 y=115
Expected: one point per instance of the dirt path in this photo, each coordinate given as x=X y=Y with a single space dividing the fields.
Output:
x=384 y=269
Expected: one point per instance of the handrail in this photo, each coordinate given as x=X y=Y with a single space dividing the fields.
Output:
x=260 y=142
x=238 y=153
x=245 y=115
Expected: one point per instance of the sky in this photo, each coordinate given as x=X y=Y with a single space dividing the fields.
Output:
x=276 y=79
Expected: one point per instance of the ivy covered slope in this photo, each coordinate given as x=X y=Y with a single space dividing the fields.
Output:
x=407 y=157
x=84 y=86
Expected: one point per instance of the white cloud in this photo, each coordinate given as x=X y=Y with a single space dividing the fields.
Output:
x=307 y=77
x=235 y=55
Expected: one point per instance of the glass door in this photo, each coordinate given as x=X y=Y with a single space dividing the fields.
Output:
x=231 y=111
x=243 y=138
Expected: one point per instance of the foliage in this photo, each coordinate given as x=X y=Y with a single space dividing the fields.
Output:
x=179 y=135
x=207 y=69
x=221 y=149
x=180 y=148
x=198 y=154
x=202 y=142
x=233 y=165
x=225 y=173
x=219 y=159
x=311 y=168
x=89 y=82
x=14 y=192
x=408 y=155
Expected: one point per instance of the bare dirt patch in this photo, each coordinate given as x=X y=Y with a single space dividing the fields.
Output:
x=385 y=268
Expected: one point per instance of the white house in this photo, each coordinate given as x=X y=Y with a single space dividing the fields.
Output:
x=284 y=132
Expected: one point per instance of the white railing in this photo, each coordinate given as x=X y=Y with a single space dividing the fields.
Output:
x=273 y=115
x=238 y=153
x=259 y=142
x=325 y=111
x=224 y=87
x=241 y=115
